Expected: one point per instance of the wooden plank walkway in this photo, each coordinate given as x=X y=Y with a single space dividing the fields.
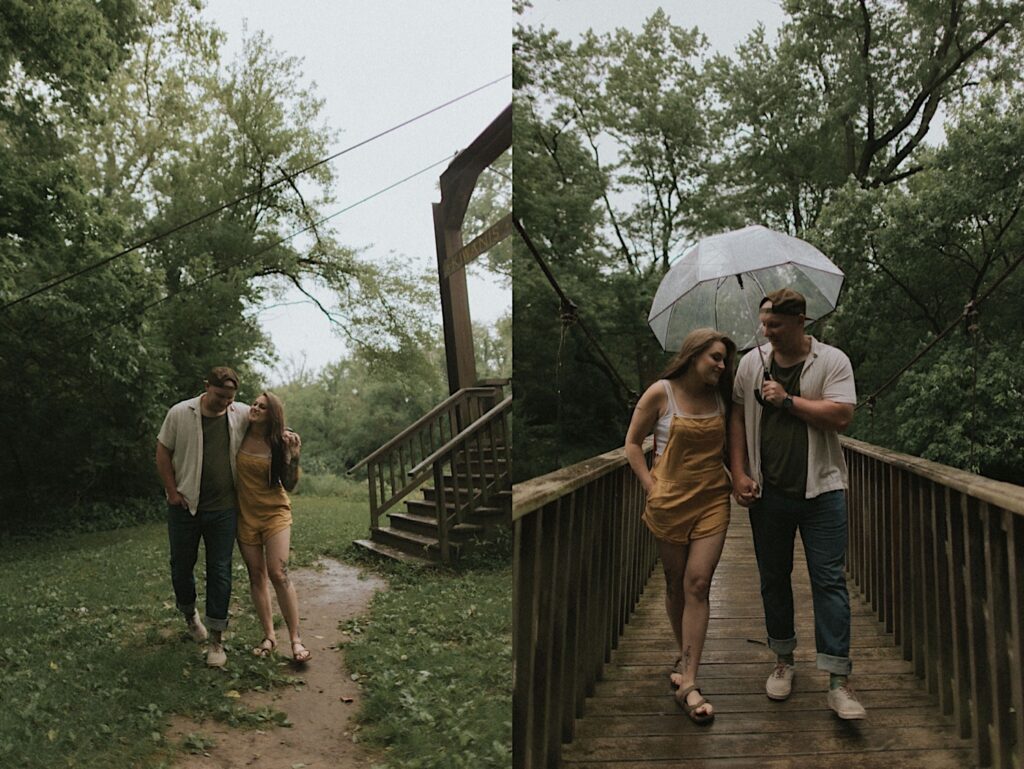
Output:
x=632 y=721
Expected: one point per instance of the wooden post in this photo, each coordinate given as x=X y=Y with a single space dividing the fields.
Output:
x=457 y=184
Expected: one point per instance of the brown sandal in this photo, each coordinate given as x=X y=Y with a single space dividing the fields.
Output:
x=691 y=710
x=265 y=648
x=300 y=653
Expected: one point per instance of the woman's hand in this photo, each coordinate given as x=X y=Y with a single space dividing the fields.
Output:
x=744 y=488
x=292 y=445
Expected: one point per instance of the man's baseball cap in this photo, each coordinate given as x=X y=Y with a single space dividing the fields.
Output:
x=222 y=376
x=786 y=301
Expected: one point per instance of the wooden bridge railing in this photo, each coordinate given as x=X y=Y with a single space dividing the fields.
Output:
x=388 y=467
x=939 y=553
x=480 y=463
x=582 y=557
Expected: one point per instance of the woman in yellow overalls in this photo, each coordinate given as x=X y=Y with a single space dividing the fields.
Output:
x=268 y=467
x=687 y=491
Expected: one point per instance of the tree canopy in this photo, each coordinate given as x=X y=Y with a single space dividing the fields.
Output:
x=882 y=132
x=149 y=204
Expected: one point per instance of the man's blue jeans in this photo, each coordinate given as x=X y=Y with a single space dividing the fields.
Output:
x=774 y=519
x=217 y=530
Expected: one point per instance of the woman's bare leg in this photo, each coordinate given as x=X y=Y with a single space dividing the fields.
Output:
x=673 y=561
x=700 y=568
x=278 y=549
x=259 y=586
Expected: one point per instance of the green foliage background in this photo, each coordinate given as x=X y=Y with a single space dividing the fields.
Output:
x=886 y=133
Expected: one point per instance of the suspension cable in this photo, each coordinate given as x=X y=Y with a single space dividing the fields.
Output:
x=570 y=308
x=54 y=282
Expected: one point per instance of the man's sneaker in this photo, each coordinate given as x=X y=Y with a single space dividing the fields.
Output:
x=216 y=657
x=780 y=683
x=844 y=702
x=196 y=628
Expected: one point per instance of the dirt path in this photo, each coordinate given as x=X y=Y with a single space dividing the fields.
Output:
x=320 y=736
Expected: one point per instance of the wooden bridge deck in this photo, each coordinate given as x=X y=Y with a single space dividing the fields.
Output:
x=632 y=721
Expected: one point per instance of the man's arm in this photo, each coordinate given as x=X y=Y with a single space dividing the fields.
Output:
x=824 y=414
x=165 y=468
x=744 y=488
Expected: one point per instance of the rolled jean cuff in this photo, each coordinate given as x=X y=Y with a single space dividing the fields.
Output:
x=782 y=647
x=215 y=624
x=186 y=610
x=840 y=666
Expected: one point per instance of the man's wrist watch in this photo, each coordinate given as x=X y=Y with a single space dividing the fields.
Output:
x=787 y=402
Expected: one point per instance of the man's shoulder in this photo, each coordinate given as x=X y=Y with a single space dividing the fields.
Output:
x=183 y=407
x=828 y=352
x=750 y=362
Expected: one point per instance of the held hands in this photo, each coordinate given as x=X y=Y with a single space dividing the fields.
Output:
x=773 y=392
x=292 y=445
x=744 y=489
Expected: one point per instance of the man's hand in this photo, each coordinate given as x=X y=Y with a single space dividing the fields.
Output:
x=773 y=392
x=174 y=499
x=744 y=489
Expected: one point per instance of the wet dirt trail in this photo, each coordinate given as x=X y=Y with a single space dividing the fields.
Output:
x=320 y=712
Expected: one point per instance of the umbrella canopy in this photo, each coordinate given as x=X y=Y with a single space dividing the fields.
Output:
x=721 y=280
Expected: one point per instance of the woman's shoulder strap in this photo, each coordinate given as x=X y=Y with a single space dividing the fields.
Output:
x=672 y=409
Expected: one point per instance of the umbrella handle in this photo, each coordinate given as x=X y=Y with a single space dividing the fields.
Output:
x=757 y=393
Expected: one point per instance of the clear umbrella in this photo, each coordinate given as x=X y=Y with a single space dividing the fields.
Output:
x=721 y=280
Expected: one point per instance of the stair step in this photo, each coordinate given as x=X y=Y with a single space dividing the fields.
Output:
x=394 y=553
x=430 y=493
x=425 y=525
x=409 y=542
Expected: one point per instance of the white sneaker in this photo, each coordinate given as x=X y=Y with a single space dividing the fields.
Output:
x=196 y=628
x=216 y=657
x=844 y=702
x=780 y=683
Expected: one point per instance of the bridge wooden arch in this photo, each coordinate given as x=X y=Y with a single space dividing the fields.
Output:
x=457 y=184
x=443 y=483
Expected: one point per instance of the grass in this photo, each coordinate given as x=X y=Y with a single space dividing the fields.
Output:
x=94 y=658
x=435 y=659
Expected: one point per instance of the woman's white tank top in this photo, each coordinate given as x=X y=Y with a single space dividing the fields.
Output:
x=664 y=424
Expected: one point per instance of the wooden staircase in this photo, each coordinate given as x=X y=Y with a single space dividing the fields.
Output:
x=443 y=483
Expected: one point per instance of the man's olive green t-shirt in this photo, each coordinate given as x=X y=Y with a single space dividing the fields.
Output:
x=216 y=485
x=784 y=439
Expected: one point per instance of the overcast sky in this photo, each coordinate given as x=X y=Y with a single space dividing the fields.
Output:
x=724 y=22
x=377 y=64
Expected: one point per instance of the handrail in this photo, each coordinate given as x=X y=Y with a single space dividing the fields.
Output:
x=1006 y=495
x=582 y=557
x=481 y=422
x=939 y=555
x=439 y=408
x=537 y=492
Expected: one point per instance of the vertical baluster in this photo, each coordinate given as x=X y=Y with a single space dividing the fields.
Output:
x=956 y=506
x=575 y=619
x=943 y=600
x=931 y=603
x=917 y=577
x=1014 y=527
x=998 y=634
x=371 y=473
x=974 y=593
x=440 y=502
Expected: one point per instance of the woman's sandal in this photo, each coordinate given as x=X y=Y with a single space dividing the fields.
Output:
x=300 y=653
x=265 y=648
x=691 y=710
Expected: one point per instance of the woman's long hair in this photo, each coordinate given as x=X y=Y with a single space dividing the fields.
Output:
x=695 y=343
x=275 y=434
